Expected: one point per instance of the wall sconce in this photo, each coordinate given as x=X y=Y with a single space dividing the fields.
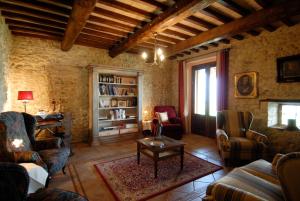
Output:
x=25 y=96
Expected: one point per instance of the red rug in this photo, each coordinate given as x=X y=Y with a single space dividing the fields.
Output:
x=129 y=181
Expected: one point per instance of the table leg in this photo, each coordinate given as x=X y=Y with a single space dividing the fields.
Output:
x=155 y=164
x=138 y=154
x=181 y=157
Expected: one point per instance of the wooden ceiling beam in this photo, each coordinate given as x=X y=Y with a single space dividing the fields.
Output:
x=267 y=4
x=116 y=17
x=216 y=15
x=34 y=26
x=80 y=13
x=104 y=29
x=187 y=28
x=158 y=4
x=256 y=19
x=65 y=4
x=110 y=23
x=173 y=15
x=33 y=31
x=240 y=10
x=32 y=13
x=36 y=29
x=176 y=33
x=40 y=6
x=230 y=4
x=97 y=39
x=200 y=22
x=36 y=35
x=32 y=20
x=126 y=8
x=100 y=34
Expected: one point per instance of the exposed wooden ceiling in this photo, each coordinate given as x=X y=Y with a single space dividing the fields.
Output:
x=184 y=26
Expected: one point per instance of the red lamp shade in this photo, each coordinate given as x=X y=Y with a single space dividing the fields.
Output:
x=25 y=95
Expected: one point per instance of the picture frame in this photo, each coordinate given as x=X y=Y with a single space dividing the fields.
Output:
x=245 y=85
x=114 y=102
x=121 y=103
x=288 y=69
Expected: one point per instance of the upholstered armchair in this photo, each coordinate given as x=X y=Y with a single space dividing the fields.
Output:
x=234 y=138
x=172 y=126
x=47 y=153
x=14 y=183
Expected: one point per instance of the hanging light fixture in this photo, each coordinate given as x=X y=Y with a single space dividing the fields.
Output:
x=158 y=56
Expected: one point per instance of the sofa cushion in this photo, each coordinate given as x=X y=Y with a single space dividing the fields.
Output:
x=248 y=183
x=262 y=169
x=245 y=145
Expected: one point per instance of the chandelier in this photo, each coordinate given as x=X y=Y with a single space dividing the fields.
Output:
x=158 y=56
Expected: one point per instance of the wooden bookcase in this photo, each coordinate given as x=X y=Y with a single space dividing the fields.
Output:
x=115 y=103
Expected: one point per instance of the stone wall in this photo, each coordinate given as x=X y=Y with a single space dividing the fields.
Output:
x=5 y=44
x=40 y=66
x=259 y=54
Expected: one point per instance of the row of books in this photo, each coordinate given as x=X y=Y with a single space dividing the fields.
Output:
x=110 y=78
x=115 y=91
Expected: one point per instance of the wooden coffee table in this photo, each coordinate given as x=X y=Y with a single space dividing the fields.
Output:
x=159 y=149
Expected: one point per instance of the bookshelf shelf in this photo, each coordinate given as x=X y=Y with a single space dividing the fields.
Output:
x=115 y=103
x=112 y=108
x=127 y=119
x=121 y=84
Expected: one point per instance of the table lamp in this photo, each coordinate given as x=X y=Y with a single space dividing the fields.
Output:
x=25 y=96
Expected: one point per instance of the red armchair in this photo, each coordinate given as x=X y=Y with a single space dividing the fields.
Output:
x=173 y=128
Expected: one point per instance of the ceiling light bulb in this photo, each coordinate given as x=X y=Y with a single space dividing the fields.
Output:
x=159 y=52
x=162 y=57
x=144 y=55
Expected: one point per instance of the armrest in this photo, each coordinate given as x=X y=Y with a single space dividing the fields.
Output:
x=28 y=157
x=258 y=137
x=275 y=161
x=222 y=140
x=226 y=192
x=47 y=143
x=175 y=120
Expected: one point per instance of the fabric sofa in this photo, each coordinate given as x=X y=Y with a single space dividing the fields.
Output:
x=235 y=140
x=14 y=182
x=260 y=181
x=172 y=128
x=47 y=153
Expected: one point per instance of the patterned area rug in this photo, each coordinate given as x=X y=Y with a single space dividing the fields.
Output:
x=129 y=181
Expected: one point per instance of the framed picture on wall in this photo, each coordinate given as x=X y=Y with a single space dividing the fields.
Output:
x=245 y=85
x=288 y=69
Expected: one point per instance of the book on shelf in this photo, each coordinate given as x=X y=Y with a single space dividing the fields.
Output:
x=112 y=90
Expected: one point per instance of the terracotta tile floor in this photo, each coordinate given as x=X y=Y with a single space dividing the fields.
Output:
x=82 y=177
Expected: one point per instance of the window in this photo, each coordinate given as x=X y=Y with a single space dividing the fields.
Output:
x=200 y=91
x=290 y=112
x=205 y=94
